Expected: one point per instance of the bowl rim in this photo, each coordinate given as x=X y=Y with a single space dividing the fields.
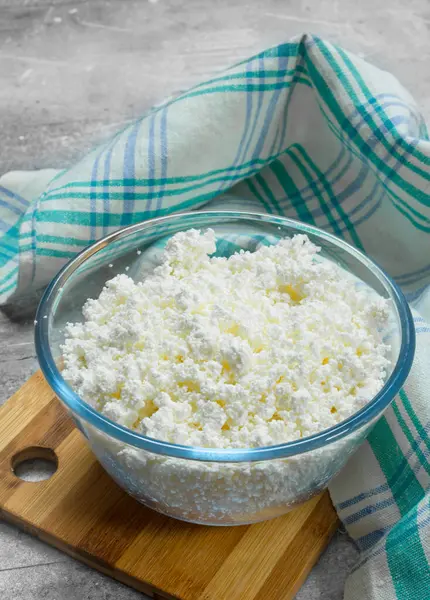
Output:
x=122 y=434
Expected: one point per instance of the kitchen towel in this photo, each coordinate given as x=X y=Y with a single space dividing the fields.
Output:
x=305 y=130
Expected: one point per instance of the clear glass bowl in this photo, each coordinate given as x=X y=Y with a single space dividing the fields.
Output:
x=205 y=485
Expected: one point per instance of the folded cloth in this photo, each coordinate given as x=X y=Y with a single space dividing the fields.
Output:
x=304 y=130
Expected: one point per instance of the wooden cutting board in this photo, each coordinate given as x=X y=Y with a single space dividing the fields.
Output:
x=84 y=513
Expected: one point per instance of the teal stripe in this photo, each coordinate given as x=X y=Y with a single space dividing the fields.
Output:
x=287 y=108
x=411 y=219
x=283 y=50
x=419 y=453
x=52 y=252
x=58 y=239
x=171 y=180
x=413 y=417
x=8 y=287
x=287 y=49
x=245 y=87
x=233 y=88
x=262 y=74
x=58 y=175
x=407 y=206
x=391 y=173
x=393 y=197
x=7 y=249
x=330 y=100
x=259 y=197
x=405 y=489
x=391 y=148
x=269 y=194
x=379 y=109
x=313 y=185
x=10 y=274
x=332 y=196
x=75 y=217
x=409 y=569
x=102 y=195
x=5 y=260
x=292 y=192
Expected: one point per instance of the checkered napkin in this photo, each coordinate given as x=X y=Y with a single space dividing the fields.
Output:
x=304 y=130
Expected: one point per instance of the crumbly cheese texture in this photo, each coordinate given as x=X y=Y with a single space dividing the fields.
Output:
x=252 y=350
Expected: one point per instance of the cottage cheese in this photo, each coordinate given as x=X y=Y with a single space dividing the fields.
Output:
x=253 y=350
x=257 y=349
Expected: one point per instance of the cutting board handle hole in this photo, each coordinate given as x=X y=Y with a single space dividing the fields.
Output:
x=34 y=464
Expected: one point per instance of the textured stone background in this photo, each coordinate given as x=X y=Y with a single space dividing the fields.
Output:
x=71 y=73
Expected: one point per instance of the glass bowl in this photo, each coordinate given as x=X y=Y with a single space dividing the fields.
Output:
x=206 y=485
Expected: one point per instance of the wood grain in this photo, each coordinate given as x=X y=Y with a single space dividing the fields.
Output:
x=84 y=513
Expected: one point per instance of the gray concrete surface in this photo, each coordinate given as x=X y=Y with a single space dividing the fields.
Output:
x=72 y=72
